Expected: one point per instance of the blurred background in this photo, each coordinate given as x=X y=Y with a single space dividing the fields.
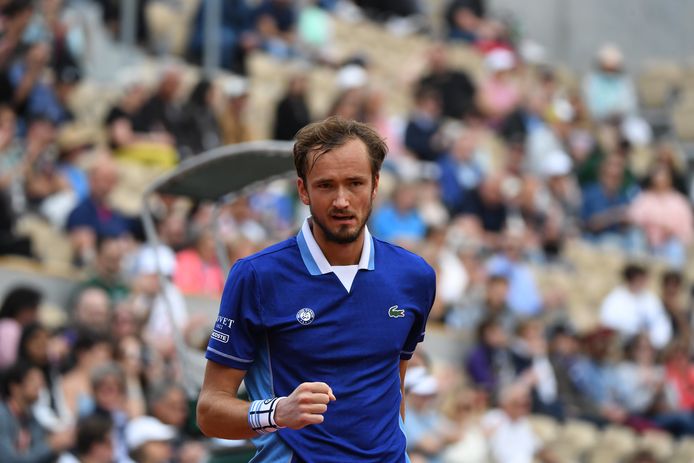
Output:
x=539 y=159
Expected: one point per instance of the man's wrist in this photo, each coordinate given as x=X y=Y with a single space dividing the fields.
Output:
x=261 y=415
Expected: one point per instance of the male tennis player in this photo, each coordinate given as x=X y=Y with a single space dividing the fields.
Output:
x=321 y=325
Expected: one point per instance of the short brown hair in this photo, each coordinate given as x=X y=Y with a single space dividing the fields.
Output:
x=335 y=131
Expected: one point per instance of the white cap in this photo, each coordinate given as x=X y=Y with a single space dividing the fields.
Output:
x=557 y=164
x=427 y=385
x=413 y=375
x=352 y=76
x=145 y=429
x=637 y=131
x=149 y=259
x=235 y=86
x=500 y=60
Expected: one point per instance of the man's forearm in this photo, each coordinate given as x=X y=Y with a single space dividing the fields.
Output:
x=225 y=416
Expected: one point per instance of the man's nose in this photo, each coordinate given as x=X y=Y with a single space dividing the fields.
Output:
x=341 y=200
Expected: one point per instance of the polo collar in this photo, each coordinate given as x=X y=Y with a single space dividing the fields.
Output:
x=316 y=262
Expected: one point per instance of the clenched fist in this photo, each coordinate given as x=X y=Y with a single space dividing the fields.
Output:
x=304 y=406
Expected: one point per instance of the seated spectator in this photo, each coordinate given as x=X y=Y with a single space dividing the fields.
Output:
x=499 y=94
x=275 y=21
x=426 y=429
x=524 y=297
x=168 y=403
x=489 y=363
x=664 y=216
x=89 y=351
x=463 y=169
x=511 y=437
x=140 y=366
x=110 y=400
x=292 y=111
x=22 y=438
x=464 y=409
x=484 y=212
x=605 y=204
x=149 y=440
x=400 y=220
x=632 y=308
x=608 y=90
x=640 y=388
x=679 y=374
x=93 y=442
x=201 y=131
x=106 y=271
x=232 y=119
x=94 y=217
x=197 y=268
x=19 y=309
x=422 y=136
x=455 y=89
x=530 y=356
x=463 y=18
x=236 y=38
x=675 y=303
x=468 y=317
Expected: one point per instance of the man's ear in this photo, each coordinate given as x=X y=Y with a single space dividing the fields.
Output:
x=374 y=190
x=303 y=191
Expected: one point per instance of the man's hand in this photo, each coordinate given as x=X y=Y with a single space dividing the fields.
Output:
x=304 y=406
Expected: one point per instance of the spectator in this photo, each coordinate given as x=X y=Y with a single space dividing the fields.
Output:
x=236 y=37
x=632 y=308
x=679 y=374
x=399 y=220
x=275 y=21
x=664 y=216
x=292 y=111
x=94 y=441
x=22 y=438
x=675 y=304
x=106 y=272
x=201 y=131
x=89 y=351
x=530 y=356
x=427 y=431
x=494 y=305
x=19 y=309
x=149 y=440
x=489 y=363
x=92 y=311
x=499 y=94
x=463 y=18
x=94 y=218
x=465 y=408
x=232 y=119
x=524 y=298
x=197 y=268
x=640 y=388
x=131 y=355
x=608 y=90
x=422 y=131
x=511 y=437
x=455 y=88
x=605 y=205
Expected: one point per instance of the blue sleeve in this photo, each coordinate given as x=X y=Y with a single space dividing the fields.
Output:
x=80 y=216
x=428 y=293
x=233 y=339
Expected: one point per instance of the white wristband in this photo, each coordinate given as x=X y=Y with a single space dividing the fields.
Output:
x=261 y=415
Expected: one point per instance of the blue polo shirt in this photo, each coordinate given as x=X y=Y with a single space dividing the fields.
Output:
x=286 y=318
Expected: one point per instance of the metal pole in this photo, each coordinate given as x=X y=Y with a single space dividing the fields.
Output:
x=128 y=22
x=220 y=245
x=212 y=32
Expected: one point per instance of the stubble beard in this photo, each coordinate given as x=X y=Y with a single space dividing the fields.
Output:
x=341 y=237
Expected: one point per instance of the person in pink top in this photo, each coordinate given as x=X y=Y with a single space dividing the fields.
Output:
x=664 y=216
x=679 y=375
x=197 y=268
x=500 y=94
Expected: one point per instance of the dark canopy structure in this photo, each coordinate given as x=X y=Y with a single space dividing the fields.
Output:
x=217 y=175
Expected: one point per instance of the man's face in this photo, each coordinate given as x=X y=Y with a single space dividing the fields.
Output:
x=340 y=191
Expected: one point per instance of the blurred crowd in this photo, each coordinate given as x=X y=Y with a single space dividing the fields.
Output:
x=489 y=178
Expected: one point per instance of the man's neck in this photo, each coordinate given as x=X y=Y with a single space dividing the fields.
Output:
x=338 y=253
x=16 y=406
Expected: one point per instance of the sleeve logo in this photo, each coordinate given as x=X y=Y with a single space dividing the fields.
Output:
x=221 y=337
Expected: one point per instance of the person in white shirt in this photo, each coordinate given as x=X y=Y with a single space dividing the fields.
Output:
x=511 y=436
x=631 y=309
